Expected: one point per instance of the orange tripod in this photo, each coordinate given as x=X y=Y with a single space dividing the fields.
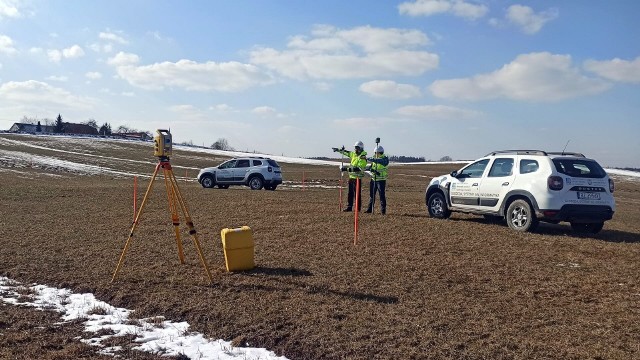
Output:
x=175 y=201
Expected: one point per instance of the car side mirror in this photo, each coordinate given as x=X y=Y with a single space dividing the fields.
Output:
x=454 y=173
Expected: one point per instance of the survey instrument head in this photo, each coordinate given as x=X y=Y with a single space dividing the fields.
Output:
x=162 y=143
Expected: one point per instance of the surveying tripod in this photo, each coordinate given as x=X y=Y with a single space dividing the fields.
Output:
x=175 y=200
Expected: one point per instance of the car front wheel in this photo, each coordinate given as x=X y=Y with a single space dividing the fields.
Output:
x=437 y=206
x=207 y=181
x=255 y=183
x=520 y=216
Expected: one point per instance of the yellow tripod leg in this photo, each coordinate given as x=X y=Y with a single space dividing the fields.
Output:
x=192 y=230
x=171 y=197
x=135 y=223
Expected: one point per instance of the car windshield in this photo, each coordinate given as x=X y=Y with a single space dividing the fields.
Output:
x=579 y=168
x=273 y=163
x=474 y=170
x=227 y=165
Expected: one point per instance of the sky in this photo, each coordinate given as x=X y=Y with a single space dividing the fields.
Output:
x=430 y=78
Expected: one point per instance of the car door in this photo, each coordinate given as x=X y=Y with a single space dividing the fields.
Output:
x=224 y=174
x=465 y=186
x=496 y=183
x=240 y=170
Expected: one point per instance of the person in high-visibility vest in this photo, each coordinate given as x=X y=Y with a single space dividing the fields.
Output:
x=378 y=183
x=358 y=161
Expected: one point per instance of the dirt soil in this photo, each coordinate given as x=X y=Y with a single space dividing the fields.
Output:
x=412 y=287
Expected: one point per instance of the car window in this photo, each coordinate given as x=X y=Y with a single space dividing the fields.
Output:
x=257 y=163
x=528 y=166
x=242 y=163
x=228 y=164
x=474 y=170
x=501 y=167
x=273 y=163
x=579 y=168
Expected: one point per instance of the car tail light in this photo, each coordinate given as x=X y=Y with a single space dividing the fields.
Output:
x=269 y=169
x=550 y=213
x=611 y=186
x=555 y=183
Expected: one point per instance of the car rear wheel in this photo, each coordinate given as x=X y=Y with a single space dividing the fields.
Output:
x=520 y=216
x=255 y=183
x=437 y=206
x=583 y=228
x=207 y=181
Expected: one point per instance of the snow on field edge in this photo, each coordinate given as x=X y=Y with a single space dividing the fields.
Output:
x=158 y=337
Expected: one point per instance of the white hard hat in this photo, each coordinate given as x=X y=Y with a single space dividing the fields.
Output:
x=359 y=144
x=379 y=149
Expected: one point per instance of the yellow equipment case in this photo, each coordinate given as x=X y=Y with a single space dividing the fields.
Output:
x=238 y=248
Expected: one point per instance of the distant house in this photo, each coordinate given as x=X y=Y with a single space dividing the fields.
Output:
x=69 y=128
x=31 y=128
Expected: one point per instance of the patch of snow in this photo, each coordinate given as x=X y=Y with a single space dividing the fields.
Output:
x=165 y=338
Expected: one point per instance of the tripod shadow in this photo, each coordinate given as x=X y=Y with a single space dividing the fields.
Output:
x=285 y=278
x=279 y=271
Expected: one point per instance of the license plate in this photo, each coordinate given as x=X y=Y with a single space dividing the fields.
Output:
x=588 y=196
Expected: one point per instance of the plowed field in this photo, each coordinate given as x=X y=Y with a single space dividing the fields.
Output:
x=411 y=287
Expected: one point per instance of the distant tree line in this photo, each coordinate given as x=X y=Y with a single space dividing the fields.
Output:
x=406 y=159
x=104 y=129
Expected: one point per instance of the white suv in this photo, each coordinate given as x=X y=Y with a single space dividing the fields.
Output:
x=254 y=172
x=525 y=187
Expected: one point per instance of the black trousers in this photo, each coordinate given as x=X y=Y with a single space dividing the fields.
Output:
x=378 y=186
x=352 y=192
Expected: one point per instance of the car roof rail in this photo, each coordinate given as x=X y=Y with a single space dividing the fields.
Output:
x=565 y=153
x=518 y=152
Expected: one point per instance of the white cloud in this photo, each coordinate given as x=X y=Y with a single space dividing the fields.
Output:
x=35 y=50
x=109 y=36
x=531 y=77
x=9 y=9
x=6 y=45
x=73 y=52
x=54 y=55
x=360 y=52
x=189 y=75
x=528 y=20
x=458 y=8
x=221 y=107
x=390 y=89
x=264 y=110
x=93 y=75
x=437 y=112
x=58 y=78
x=32 y=93
x=105 y=48
x=616 y=69
x=128 y=94
x=322 y=86
x=123 y=59
x=0 y=66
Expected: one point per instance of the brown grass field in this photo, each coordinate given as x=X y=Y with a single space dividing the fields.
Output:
x=411 y=288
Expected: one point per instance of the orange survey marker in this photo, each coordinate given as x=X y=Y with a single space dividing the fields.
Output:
x=238 y=248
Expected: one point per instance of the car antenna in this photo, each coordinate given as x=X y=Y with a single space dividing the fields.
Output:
x=565 y=146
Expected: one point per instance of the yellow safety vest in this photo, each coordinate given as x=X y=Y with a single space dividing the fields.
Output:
x=356 y=160
x=381 y=169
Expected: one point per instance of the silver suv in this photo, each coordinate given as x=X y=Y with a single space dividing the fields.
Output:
x=254 y=172
x=526 y=187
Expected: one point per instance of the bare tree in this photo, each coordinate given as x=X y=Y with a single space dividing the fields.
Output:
x=28 y=120
x=92 y=123
x=221 y=144
x=446 y=158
